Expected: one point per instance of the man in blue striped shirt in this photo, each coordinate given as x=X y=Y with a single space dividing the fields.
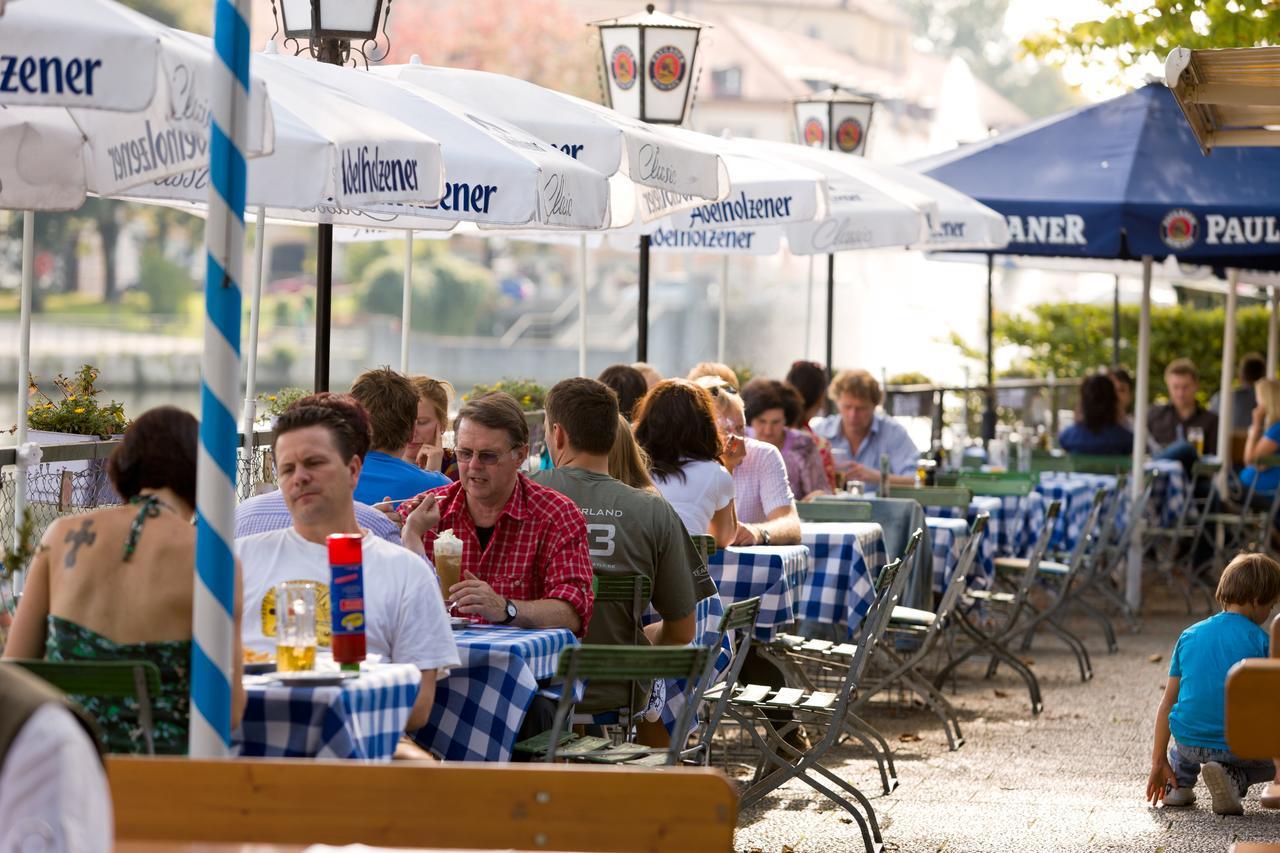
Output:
x=861 y=432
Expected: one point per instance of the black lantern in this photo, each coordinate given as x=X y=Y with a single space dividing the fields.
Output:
x=332 y=26
x=647 y=64
x=647 y=73
x=834 y=119
x=837 y=121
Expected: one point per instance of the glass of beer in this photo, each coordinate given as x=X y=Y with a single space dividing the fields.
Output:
x=1195 y=435
x=296 y=626
x=448 y=560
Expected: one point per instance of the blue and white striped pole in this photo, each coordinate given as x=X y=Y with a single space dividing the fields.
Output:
x=212 y=622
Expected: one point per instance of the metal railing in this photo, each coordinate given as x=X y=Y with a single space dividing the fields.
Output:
x=1018 y=402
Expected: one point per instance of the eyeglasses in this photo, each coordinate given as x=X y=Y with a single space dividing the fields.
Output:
x=484 y=457
x=728 y=389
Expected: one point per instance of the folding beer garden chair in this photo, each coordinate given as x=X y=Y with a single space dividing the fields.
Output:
x=1099 y=551
x=739 y=619
x=820 y=711
x=1173 y=546
x=808 y=661
x=926 y=628
x=1006 y=611
x=1057 y=578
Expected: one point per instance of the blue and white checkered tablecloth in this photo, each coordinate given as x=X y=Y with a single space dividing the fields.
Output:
x=1006 y=523
x=844 y=558
x=773 y=572
x=363 y=718
x=480 y=705
x=1075 y=492
x=949 y=537
x=1170 y=492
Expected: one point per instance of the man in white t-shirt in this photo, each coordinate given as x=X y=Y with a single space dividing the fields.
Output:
x=320 y=445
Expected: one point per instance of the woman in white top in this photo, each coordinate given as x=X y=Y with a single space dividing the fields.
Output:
x=676 y=427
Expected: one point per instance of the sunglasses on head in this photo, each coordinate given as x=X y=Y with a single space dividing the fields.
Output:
x=726 y=388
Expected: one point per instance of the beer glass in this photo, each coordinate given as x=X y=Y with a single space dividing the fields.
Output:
x=296 y=626
x=448 y=560
x=1195 y=435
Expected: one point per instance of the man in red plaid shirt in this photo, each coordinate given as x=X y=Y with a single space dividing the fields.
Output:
x=524 y=547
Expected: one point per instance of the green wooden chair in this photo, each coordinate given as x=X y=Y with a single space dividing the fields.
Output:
x=139 y=679
x=632 y=589
x=1171 y=544
x=999 y=485
x=1043 y=460
x=1087 y=463
x=705 y=545
x=620 y=663
x=956 y=496
x=834 y=509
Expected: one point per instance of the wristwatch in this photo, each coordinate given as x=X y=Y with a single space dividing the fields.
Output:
x=511 y=613
x=764 y=536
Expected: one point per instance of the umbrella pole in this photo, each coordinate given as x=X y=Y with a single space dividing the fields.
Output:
x=250 y=412
x=1133 y=578
x=1273 y=334
x=324 y=304
x=1228 y=372
x=831 y=314
x=406 y=306
x=808 y=312
x=24 y=374
x=642 y=310
x=1115 y=326
x=989 y=413
x=724 y=308
x=212 y=626
x=582 y=305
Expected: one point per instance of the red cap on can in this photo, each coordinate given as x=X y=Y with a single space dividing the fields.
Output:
x=344 y=548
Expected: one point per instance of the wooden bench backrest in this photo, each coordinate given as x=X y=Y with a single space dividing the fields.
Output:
x=525 y=807
x=1253 y=702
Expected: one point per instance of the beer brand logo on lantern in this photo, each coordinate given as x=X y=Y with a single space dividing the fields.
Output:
x=666 y=68
x=849 y=135
x=814 y=133
x=623 y=64
x=1179 y=229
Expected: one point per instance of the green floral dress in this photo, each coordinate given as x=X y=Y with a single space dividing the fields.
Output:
x=118 y=717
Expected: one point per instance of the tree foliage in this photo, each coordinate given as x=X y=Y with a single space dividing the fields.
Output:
x=1071 y=340
x=451 y=295
x=1133 y=31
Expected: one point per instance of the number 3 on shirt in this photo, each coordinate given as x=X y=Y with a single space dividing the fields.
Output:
x=600 y=539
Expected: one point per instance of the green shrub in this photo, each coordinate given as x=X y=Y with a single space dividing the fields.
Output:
x=167 y=285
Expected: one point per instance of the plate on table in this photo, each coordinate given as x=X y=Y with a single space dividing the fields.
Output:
x=313 y=678
x=259 y=667
x=456 y=622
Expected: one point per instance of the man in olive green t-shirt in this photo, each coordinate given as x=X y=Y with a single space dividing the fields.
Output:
x=628 y=530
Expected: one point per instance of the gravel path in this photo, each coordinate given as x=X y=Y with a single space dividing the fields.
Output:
x=1070 y=780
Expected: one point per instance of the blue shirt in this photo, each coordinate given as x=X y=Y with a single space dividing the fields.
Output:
x=1269 y=479
x=1111 y=440
x=384 y=476
x=886 y=436
x=1204 y=653
x=266 y=512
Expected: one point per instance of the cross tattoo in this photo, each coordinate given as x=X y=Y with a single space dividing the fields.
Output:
x=83 y=536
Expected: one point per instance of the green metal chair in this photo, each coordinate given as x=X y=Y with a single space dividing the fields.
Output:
x=956 y=496
x=1171 y=544
x=834 y=509
x=705 y=545
x=1087 y=463
x=632 y=589
x=1041 y=462
x=137 y=679
x=999 y=485
x=620 y=663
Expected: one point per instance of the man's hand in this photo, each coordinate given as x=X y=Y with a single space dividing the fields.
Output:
x=422 y=517
x=746 y=535
x=1161 y=772
x=474 y=597
x=735 y=450
x=858 y=471
x=385 y=507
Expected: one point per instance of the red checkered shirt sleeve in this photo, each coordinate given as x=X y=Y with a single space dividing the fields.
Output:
x=566 y=572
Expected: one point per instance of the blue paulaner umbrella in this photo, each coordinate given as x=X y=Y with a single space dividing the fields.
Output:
x=1126 y=179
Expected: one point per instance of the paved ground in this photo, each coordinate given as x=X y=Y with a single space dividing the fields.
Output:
x=1070 y=780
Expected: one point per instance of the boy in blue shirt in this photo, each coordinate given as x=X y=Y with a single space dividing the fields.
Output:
x=1193 y=708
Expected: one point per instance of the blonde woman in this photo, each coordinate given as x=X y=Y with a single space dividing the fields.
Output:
x=426 y=448
x=1263 y=439
x=628 y=462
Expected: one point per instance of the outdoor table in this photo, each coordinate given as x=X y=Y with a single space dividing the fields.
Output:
x=480 y=706
x=1005 y=525
x=1074 y=491
x=844 y=559
x=362 y=718
x=773 y=572
x=949 y=537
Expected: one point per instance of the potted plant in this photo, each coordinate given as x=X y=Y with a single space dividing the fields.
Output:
x=76 y=417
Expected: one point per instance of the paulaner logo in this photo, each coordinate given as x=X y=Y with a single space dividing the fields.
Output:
x=742 y=209
x=47 y=74
x=363 y=174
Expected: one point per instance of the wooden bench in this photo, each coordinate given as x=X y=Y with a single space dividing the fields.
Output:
x=522 y=807
x=1253 y=702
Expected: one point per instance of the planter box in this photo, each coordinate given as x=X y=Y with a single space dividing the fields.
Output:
x=75 y=484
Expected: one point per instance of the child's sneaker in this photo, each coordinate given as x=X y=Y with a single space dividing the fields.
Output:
x=1179 y=798
x=1222 y=788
